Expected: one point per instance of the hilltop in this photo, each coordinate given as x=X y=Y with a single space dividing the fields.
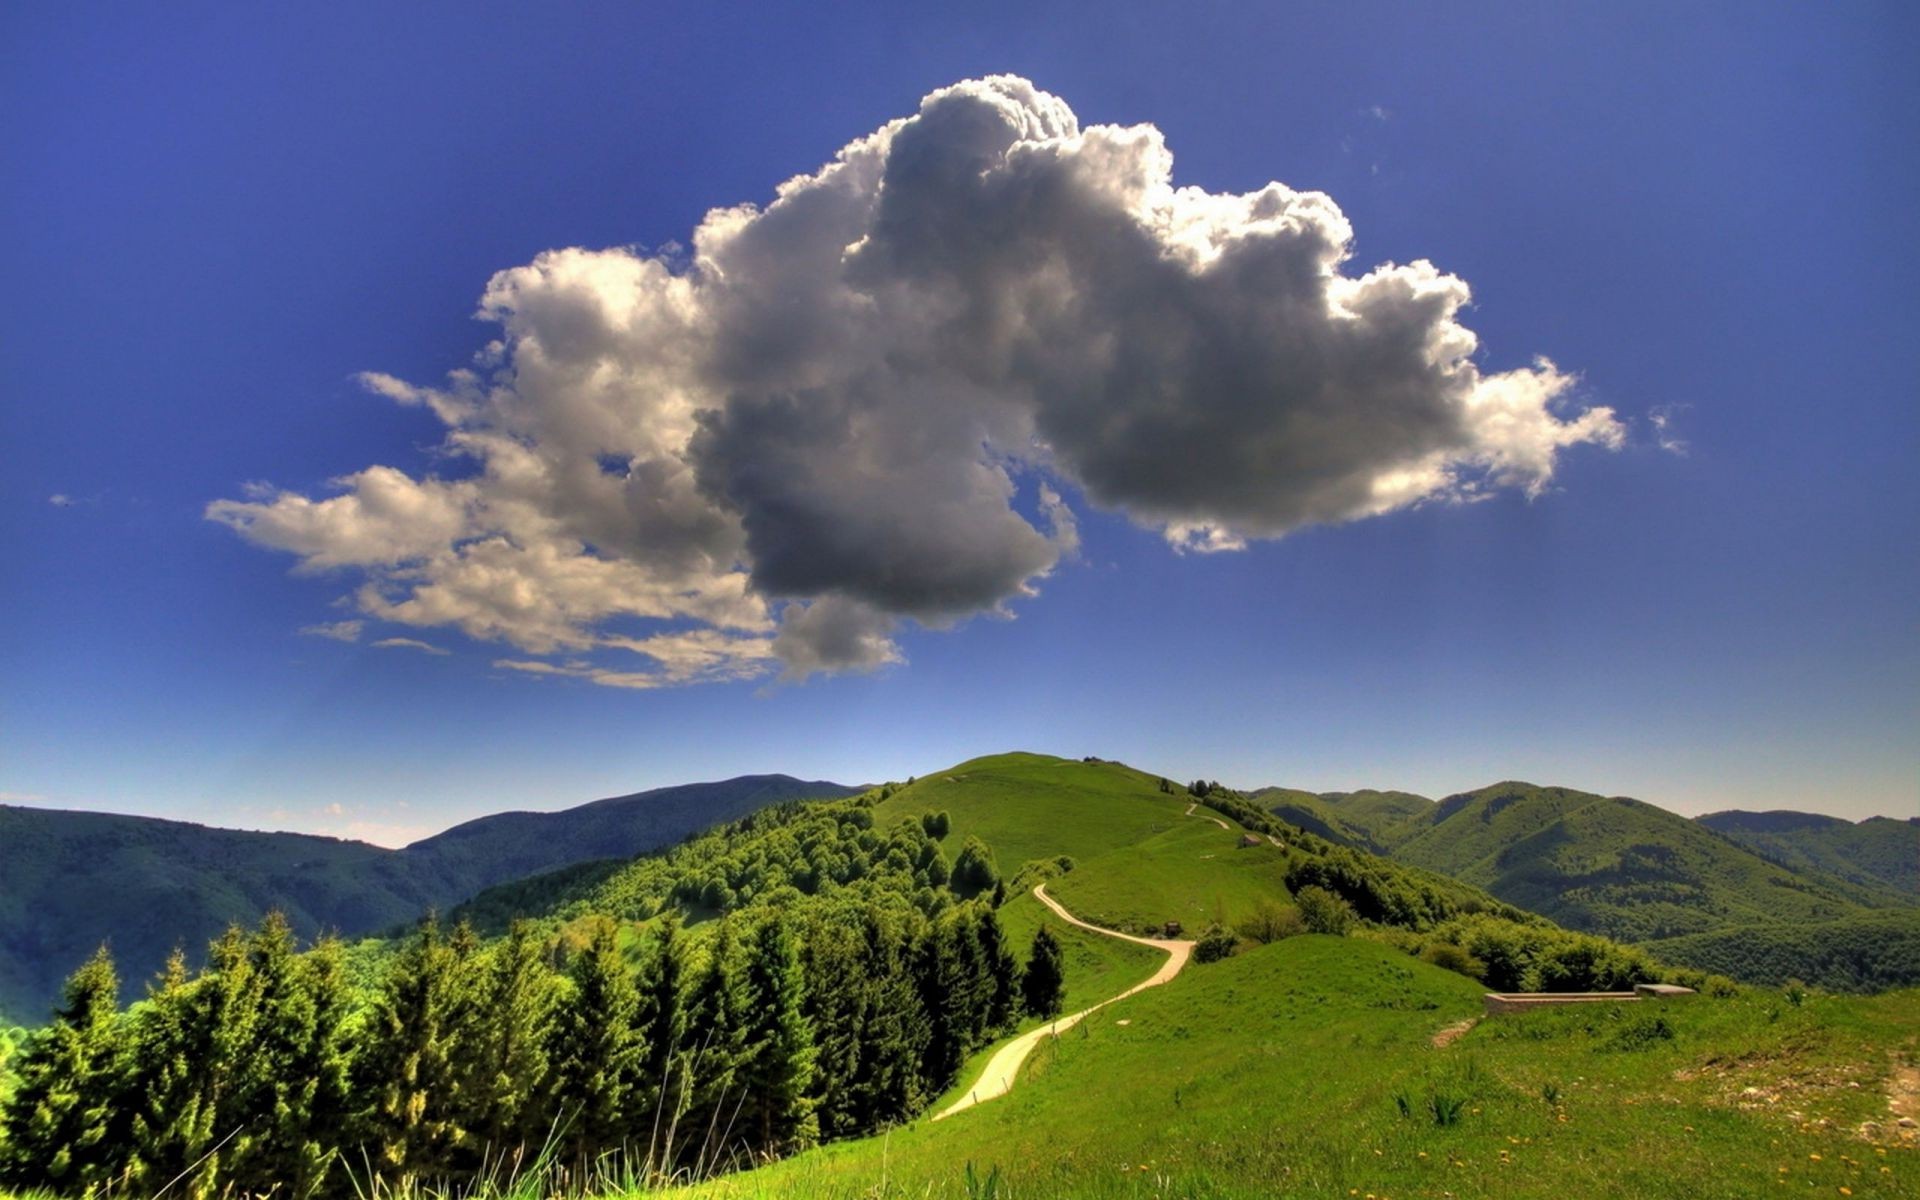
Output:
x=837 y=970
x=146 y=885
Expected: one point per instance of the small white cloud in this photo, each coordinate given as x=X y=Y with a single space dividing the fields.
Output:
x=1662 y=419
x=61 y=500
x=339 y=631
x=1379 y=112
x=406 y=643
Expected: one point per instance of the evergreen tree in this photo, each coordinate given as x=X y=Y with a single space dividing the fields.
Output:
x=1043 y=986
x=193 y=1070
x=661 y=1024
x=777 y=1073
x=708 y=1066
x=505 y=1073
x=409 y=1068
x=595 y=1056
x=838 y=996
x=889 y=1081
x=1003 y=973
x=292 y=1091
x=59 y=1120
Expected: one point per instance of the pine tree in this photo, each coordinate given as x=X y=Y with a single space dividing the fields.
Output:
x=409 y=1065
x=59 y=1120
x=293 y=1088
x=778 y=1072
x=193 y=1046
x=838 y=999
x=504 y=1076
x=594 y=1056
x=709 y=1064
x=661 y=1025
x=889 y=1083
x=1044 y=984
x=1003 y=972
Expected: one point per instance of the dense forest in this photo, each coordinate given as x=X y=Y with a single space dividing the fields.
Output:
x=837 y=989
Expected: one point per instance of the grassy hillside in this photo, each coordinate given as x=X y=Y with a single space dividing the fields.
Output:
x=1029 y=806
x=1612 y=865
x=1879 y=852
x=1306 y=1068
x=74 y=880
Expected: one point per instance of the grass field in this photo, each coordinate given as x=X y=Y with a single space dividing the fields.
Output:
x=1193 y=873
x=1307 y=1068
x=1029 y=806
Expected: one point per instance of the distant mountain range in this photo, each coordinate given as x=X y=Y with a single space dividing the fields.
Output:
x=1821 y=894
x=71 y=880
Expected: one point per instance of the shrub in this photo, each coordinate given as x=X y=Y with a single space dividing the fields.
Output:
x=1272 y=921
x=1214 y=945
x=1450 y=957
x=1324 y=912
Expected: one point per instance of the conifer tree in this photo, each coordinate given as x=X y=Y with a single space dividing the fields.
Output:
x=193 y=1069
x=1044 y=983
x=661 y=1026
x=715 y=1041
x=889 y=1083
x=506 y=1073
x=59 y=1120
x=293 y=1086
x=1003 y=972
x=595 y=1057
x=778 y=1072
x=408 y=1068
x=838 y=1005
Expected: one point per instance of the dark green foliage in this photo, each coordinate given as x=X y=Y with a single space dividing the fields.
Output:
x=59 y=1119
x=504 y=1062
x=661 y=1023
x=1002 y=972
x=1864 y=953
x=1270 y=921
x=937 y=825
x=1881 y=853
x=410 y=1066
x=716 y=1048
x=1213 y=945
x=777 y=1073
x=975 y=871
x=1541 y=958
x=1449 y=957
x=1043 y=985
x=595 y=1055
x=1323 y=911
x=74 y=880
x=197 y=1085
x=296 y=1099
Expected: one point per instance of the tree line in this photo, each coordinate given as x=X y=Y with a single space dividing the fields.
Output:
x=615 y=1051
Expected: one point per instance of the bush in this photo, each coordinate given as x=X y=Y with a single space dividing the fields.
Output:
x=1450 y=957
x=1214 y=945
x=1324 y=912
x=1272 y=921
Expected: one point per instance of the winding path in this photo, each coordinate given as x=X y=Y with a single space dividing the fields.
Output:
x=997 y=1079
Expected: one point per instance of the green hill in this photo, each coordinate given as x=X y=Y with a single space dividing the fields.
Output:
x=1863 y=953
x=75 y=879
x=1306 y=1068
x=1612 y=865
x=844 y=962
x=1877 y=853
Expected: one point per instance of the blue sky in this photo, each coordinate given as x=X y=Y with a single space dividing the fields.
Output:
x=216 y=218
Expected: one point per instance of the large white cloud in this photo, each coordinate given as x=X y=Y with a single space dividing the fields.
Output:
x=839 y=411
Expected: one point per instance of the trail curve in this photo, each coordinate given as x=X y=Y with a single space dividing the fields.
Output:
x=1004 y=1066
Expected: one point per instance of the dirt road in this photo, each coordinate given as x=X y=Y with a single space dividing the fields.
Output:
x=1004 y=1066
